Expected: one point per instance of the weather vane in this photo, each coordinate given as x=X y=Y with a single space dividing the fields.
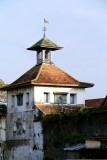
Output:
x=44 y=28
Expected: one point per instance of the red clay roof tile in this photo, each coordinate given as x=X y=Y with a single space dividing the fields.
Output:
x=47 y=74
x=94 y=102
x=48 y=109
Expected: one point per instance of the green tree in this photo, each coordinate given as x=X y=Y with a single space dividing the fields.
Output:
x=3 y=94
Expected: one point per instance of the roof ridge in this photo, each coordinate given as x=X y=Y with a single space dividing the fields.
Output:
x=38 y=72
x=24 y=74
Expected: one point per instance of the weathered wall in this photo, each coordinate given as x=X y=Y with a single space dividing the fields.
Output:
x=24 y=138
x=2 y=128
x=19 y=150
x=38 y=152
x=39 y=94
x=19 y=125
x=12 y=106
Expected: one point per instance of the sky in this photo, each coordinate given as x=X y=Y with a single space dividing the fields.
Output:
x=80 y=26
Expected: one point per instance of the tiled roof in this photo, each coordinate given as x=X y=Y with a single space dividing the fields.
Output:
x=48 y=75
x=94 y=102
x=48 y=109
x=43 y=44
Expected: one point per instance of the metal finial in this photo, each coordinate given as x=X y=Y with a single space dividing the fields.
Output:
x=44 y=28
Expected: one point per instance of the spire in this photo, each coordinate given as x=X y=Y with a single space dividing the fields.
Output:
x=44 y=28
x=44 y=47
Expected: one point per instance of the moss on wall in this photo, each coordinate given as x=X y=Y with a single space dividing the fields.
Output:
x=61 y=130
x=67 y=129
x=3 y=109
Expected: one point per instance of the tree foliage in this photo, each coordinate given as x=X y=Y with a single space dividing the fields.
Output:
x=3 y=94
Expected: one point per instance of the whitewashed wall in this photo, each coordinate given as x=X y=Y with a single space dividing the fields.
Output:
x=36 y=95
x=22 y=132
x=20 y=124
x=39 y=94
x=25 y=106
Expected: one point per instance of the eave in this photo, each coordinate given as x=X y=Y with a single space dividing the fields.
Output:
x=8 y=87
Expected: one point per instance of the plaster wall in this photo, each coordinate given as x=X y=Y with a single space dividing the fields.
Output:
x=19 y=153
x=12 y=104
x=2 y=128
x=19 y=125
x=24 y=136
x=38 y=142
x=39 y=94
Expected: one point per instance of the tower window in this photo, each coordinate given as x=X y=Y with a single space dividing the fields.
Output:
x=60 y=98
x=27 y=98
x=13 y=100
x=46 y=97
x=72 y=98
x=20 y=99
x=47 y=55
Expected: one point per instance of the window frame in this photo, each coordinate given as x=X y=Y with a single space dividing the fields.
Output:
x=46 y=97
x=18 y=101
x=74 y=96
x=27 y=98
x=13 y=100
x=60 y=94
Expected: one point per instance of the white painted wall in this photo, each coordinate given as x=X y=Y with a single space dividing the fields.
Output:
x=93 y=144
x=39 y=94
x=12 y=107
x=36 y=94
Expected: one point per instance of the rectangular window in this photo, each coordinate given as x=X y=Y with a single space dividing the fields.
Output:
x=13 y=100
x=20 y=99
x=46 y=97
x=72 y=98
x=60 y=98
x=27 y=98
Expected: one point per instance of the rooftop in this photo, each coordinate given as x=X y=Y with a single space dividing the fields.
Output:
x=48 y=109
x=47 y=75
x=44 y=43
x=94 y=102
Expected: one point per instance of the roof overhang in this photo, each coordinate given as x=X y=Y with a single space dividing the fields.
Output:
x=8 y=87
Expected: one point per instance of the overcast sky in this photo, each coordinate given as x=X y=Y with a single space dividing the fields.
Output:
x=80 y=26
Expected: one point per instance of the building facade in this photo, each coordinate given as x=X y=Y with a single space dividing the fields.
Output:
x=43 y=89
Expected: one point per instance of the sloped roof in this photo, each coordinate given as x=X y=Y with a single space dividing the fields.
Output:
x=47 y=75
x=48 y=109
x=94 y=102
x=43 y=44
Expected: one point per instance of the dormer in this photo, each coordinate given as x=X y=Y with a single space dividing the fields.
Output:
x=43 y=48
